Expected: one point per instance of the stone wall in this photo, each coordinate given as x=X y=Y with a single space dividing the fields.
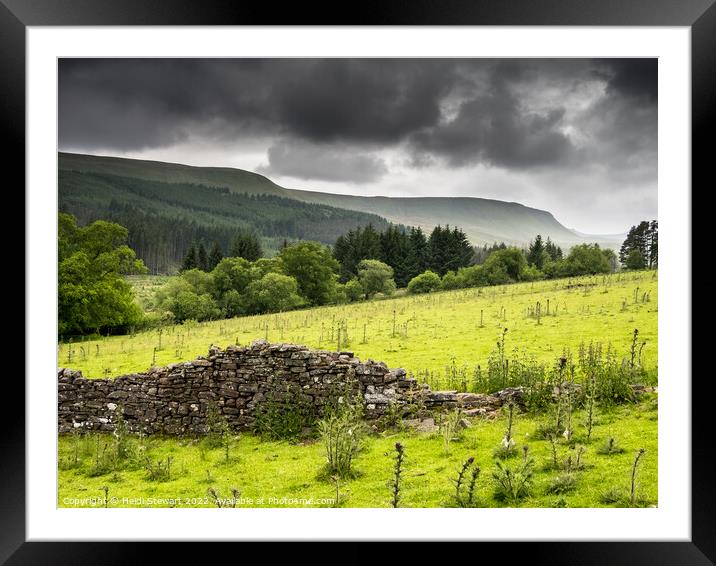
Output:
x=174 y=399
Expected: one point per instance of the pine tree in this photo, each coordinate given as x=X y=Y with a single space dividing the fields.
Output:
x=416 y=261
x=536 y=252
x=644 y=239
x=190 y=259
x=246 y=245
x=369 y=243
x=215 y=256
x=461 y=252
x=438 y=249
x=653 y=244
x=394 y=246
x=202 y=259
x=353 y=247
x=448 y=250
x=553 y=250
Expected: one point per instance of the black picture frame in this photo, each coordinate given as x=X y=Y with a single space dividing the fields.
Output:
x=699 y=15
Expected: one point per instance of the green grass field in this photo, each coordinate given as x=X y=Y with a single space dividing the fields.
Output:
x=293 y=475
x=432 y=336
x=435 y=337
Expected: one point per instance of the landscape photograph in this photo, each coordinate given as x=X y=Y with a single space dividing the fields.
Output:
x=357 y=283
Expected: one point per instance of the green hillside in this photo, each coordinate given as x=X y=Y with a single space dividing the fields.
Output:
x=165 y=218
x=483 y=220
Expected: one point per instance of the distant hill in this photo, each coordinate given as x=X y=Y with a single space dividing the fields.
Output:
x=164 y=219
x=483 y=220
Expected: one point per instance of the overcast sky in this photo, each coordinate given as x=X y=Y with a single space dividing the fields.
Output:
x=577 y=137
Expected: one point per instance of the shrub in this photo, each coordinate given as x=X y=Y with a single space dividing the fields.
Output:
x=273 y=293
x=342 y=433
x=104 y=460
x=186 y=301
x=375 y=277
x=424 y=283
x=610 y=447
x=513 y=483
x=450 y=428
x=473 y=276
x=353 y=290
x=161 y=470
x=283 y=414
x=314 y=269
x=505 y=265
x=584 y=259
x=531 y=273
x=451 y=281
x=563 y=483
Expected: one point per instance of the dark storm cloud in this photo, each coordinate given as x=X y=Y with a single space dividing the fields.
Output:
x=363 y=100
x=128 y=104
x=498 y=126
x=135 y=103
x=494 y=129
x=631 y=77
x=521 y=114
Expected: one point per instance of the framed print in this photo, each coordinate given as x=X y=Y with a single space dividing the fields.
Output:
x=389 y=279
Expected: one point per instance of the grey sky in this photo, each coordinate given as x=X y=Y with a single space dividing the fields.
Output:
x=577 y=137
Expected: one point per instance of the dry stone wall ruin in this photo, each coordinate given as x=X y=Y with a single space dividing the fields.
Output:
x=175 y=399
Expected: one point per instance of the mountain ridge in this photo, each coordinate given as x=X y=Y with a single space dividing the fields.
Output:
x=484 y=220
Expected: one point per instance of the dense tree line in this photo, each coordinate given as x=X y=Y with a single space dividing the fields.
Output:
x=479 y=255
x=408 y=252
x=245 y=245
x=165 y=219
x=302 y=274
x=364 y=263
x=511 y=265
x=641 y=247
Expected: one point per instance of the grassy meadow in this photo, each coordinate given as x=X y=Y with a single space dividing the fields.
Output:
x=293 y=475
x=439 y=337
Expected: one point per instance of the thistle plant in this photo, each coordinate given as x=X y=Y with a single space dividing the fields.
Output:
x=553 y=447
x=226 y=438
x=336 y=479
x=563 y=483
x=632 y=349
x=619 y=495
x=590 y=402
x=507 y=446
x=458 y=481
x=471 y=486
x=632 y=496
x=397 y=474
x=220 y=501
x=610 y=447
x=508 y=441
x=449 y=427
x=235 y=495
x=578 y=459
x=214 y=495
x=513 y=483
x=342 y=433
x=121 y=435
x=566 y=400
